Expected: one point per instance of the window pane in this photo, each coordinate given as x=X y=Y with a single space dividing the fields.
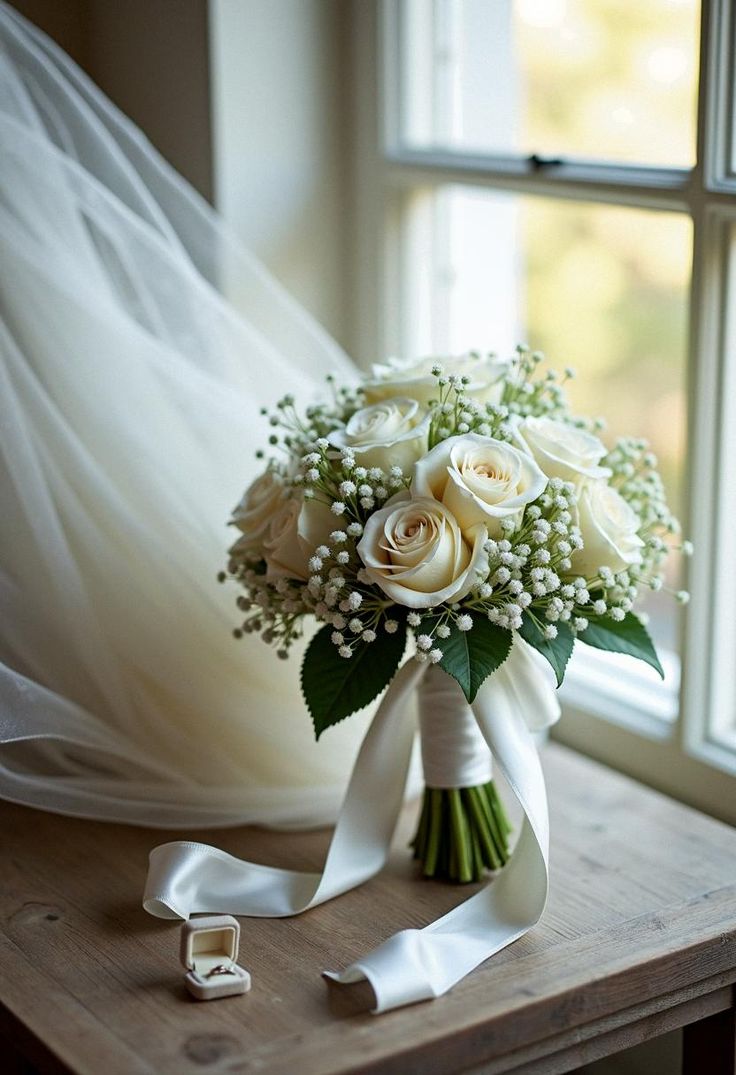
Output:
x=602 y=289
x=608 y=79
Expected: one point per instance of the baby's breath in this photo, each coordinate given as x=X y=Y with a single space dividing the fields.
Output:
x=527 y=573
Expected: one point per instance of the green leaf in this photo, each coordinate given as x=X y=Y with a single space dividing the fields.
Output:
x=334 y=687
x=556 y=650
x=471 y=656
x=628 y=635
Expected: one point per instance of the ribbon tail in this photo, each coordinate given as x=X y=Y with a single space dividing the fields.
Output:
x=185 y=878
x=526 y=675
x=416 y=965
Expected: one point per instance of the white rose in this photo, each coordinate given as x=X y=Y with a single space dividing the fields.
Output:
x=561 y=450
x=294 y=532
x=608 y=526
x=391 y=433
x=417 y=381
x=414 y=550
x=481 y=480
x=252 y=516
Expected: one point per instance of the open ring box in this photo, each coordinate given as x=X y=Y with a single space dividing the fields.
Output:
x=209 y=951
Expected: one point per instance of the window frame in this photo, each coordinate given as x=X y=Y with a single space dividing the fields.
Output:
x=633 y=729
x=719 y=118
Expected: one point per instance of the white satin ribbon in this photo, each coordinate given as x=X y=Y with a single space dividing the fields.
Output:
x=413 y=965
x=454 y=752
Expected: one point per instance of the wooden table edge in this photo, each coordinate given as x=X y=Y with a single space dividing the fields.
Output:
x=48 y=1050
x=443 y=1030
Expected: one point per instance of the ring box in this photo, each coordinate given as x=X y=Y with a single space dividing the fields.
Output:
x=209 y=951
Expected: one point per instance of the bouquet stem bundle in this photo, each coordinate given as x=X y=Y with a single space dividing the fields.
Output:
x=462 y=833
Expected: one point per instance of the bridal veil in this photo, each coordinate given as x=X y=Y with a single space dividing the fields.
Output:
x=129 y=414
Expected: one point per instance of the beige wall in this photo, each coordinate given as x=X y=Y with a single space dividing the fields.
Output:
x=281 y=149
x=151 y=57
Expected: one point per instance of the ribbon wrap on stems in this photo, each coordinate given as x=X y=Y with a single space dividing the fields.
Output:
x=414 y=964
x=454 y=752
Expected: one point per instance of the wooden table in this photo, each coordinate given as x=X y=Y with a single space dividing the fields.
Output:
x=639 y=938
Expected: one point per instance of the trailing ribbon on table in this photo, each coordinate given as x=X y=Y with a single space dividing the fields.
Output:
x=415 y=964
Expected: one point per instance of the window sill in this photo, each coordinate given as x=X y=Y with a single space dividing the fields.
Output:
x=624 y=691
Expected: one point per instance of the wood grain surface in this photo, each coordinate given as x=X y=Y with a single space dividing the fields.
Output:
x=639 y=937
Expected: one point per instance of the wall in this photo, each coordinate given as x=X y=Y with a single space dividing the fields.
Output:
x=151 y=57
x=65 y=22
x=280 y=148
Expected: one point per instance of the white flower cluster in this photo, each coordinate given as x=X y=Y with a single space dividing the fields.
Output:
x=635 y=476
x=440 y=493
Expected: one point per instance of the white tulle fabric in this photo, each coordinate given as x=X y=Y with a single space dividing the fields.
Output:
x=413 y=965
x=129 y=397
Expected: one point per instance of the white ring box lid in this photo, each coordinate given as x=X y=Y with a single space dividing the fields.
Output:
x=209 y=942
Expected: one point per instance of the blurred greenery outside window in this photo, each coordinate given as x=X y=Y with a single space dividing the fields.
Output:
x=561 y=172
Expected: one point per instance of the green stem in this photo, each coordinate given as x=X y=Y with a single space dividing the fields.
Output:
x=490 y=857
x=419 y=843
x=478 y=864
x=497 y=808
x=435 y=827
x=495 y=829
x=461 y=833
x=446 y=841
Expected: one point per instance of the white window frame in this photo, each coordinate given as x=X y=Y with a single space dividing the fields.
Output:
x=638 y=729
x=719 y=119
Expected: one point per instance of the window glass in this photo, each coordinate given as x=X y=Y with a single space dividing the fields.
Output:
x=602 y=289
x=607 y=79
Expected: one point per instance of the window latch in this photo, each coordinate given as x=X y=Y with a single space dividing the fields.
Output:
x=537 y=163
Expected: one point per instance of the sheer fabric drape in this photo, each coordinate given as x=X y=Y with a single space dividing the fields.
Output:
x=129 y=399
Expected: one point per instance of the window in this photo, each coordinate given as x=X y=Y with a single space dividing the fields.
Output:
x=564 y=172
x=571 y=78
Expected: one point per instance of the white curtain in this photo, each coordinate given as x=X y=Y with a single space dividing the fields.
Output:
x=129 y=400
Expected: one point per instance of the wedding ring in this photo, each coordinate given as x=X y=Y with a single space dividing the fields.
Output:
x=221 y=968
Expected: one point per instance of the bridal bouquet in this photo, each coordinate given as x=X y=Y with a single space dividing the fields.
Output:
x=463 y=504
